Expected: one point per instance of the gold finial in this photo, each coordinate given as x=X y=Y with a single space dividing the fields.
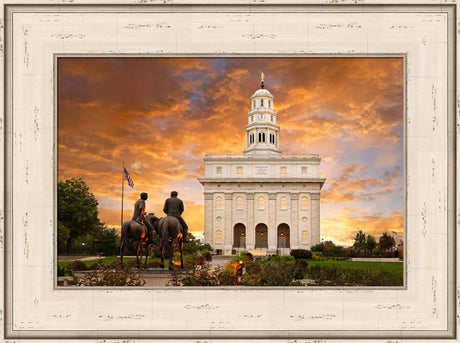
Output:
x=262 y=79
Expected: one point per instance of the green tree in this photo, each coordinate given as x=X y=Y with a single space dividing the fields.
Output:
x=360 y=241
x=386 y=242
x=318 y=248
x=330 y=249
x=328 y=245
x=106 y=241
x=63 y=236
x=371 y=243
x=77 y=211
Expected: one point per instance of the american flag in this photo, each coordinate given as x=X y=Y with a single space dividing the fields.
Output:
x=128 y=178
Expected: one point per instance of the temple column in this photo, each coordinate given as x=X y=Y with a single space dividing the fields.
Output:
x=315 y=219
x=208 y=220
x=272 y=229
x=295 y=225
x=228 y=230
x=250 y=229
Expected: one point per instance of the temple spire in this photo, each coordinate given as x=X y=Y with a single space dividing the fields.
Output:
x=262 y=132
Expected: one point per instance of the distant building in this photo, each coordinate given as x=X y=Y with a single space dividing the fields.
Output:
x=262 y=200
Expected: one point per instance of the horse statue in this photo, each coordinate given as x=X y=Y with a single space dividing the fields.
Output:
x=171 y=233
x=134 y=234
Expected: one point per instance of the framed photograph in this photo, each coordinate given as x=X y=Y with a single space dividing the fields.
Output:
x=78 y=74
x=250 y=191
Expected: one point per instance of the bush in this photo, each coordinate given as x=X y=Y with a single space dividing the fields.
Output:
x=274 y=272
x=300 y=269
x=61 y=271
x=318 y=248
x=110 y=276
x=207 y=256
x=243 y=256
x=77 y=266
x=200 y=276
x=229 y=275
x=301 y=254
x=205 y=248
x=96 y=265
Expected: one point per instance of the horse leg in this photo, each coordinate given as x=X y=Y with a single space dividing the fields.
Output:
x=122 y=248
x=137 y=245
x=181 y=246
x=171 y=253
x=162 y=251
x=147 y=253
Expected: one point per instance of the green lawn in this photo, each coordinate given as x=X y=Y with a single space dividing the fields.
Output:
x=395 y=268
x=109 y=260
x=106 y=261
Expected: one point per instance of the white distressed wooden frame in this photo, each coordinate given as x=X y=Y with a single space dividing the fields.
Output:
x=425 y=34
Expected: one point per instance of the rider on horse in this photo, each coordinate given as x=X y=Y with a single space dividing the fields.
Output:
x=139 y=213
x=174 y=207
x=139 y=208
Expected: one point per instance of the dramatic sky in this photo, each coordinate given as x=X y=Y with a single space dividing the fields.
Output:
x=162 y=115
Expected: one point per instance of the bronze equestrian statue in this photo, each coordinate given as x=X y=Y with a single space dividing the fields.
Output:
x=171 y=234
x=134 y=234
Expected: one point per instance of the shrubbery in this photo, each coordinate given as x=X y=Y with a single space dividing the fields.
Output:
x=301 y=254
x=243 y=256
x=77 y=266
x=300 y=270
x=201 y=275
x=281 y=271
x=112 y=275
x=275 y=271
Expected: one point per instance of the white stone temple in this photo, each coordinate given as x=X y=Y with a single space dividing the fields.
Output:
x=262 y=201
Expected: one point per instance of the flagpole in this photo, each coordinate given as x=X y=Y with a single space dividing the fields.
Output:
x=122 y=192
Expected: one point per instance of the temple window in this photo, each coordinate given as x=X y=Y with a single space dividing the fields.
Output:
x=218 y=236
x=283 y=203
x=304 y=237
x=239 y=203
x=261 y=203
x=304 y=204
x=219 y=203
x=283 y=170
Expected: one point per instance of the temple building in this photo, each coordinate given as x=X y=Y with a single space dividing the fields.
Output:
x=262 y=201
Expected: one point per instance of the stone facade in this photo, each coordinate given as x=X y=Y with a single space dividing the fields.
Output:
x=262 y=200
